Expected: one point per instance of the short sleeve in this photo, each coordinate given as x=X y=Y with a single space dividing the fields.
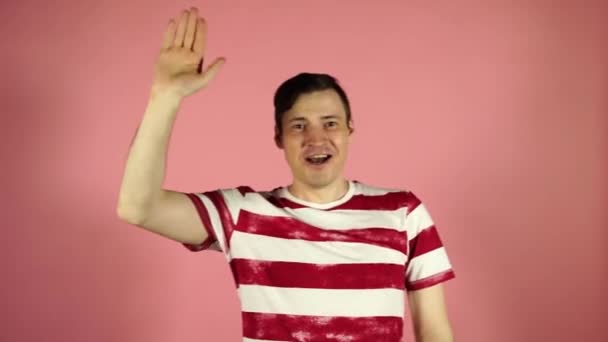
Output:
x=218 y=211
x=428 y=262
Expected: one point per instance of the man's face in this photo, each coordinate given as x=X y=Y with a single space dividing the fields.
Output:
x=315 y=138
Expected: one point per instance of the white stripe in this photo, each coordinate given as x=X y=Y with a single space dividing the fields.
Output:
x=352 y=219
x=233 y=199
x=333 y=219
x=216 y=222
x=322 y=302
x=428 y=264
x=268 y=248
x=417 y=220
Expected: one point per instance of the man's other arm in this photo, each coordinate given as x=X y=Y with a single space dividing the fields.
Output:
x=429 y=315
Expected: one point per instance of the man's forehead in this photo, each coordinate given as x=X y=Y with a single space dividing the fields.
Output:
x=317 y=105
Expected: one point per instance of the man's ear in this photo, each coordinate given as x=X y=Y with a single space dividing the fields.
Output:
x=351 y=128
x=277 y=138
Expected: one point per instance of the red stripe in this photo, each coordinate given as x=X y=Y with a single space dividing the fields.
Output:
x=427 y=240
x=390 y=201
x=245 y=190
x=200 y=247
x=430 y=281
x=411 y=201
x=302 y=275
x=204 y=216
x=314 y=328
x=290 y=228
x=227 y=223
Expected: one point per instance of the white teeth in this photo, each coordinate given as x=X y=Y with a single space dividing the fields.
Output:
x=318 y=156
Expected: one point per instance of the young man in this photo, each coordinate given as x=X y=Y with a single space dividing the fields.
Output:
x=323 y=259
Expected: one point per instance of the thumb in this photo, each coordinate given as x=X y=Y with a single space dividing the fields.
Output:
x=208 y=74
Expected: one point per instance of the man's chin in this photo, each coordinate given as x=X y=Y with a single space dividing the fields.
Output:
x=316 y=178
x=319 y=181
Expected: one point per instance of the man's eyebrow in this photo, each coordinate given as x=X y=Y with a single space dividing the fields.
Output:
x=297 y=118
x=324 y=117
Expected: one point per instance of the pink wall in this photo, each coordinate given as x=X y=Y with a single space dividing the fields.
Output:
x=495 y=114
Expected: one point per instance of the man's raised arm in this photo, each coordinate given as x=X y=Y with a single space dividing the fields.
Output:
x=177 y=73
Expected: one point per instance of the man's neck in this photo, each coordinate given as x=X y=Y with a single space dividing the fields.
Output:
x=326 y=194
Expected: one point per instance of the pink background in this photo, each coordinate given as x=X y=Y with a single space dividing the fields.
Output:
x=494 y=113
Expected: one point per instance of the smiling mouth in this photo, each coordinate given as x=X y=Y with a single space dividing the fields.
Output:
x=318 y=159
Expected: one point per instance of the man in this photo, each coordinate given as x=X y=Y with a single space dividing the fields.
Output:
x=323 y=259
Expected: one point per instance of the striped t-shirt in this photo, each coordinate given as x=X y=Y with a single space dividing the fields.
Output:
x=337 y=271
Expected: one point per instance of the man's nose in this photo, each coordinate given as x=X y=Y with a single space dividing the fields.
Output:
x=315 y=135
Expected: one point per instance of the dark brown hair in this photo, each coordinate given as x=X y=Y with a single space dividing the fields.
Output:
x=288 y=92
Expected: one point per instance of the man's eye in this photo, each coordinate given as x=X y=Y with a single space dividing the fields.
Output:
x=297 y=126
x=331 y=124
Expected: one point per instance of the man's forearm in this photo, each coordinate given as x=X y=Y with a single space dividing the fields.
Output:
x=438 y=335
x=145 y=166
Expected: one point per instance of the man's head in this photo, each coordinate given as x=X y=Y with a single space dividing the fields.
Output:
x=313 y=125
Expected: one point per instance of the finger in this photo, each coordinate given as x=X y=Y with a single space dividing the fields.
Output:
x=191 y=28
x=169 y=35
x=201 y=37
x=181 y=29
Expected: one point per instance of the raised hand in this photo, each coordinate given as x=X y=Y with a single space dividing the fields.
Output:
x=179 y=67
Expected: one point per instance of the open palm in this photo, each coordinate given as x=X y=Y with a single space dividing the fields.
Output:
x=178 y=68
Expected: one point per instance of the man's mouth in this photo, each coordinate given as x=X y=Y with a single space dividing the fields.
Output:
x=318 y=159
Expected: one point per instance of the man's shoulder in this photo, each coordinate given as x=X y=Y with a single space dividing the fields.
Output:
x=403 y=196
x=375 y=190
